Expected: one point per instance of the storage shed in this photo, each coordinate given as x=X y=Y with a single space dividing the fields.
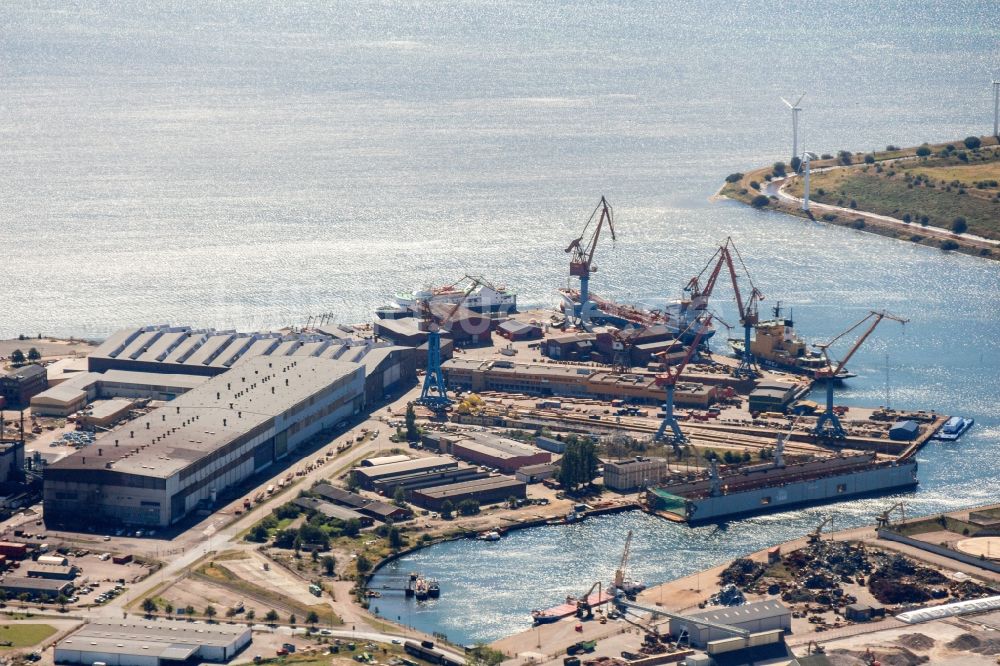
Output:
x=904 y=431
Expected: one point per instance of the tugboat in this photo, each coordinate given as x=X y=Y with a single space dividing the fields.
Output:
x=777 y=345
x=433 y=589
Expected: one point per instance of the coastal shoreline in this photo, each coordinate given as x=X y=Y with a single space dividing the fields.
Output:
x=742 y=190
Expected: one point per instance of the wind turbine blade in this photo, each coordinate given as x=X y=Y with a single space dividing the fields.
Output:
x=799 y=99
x=787 y=103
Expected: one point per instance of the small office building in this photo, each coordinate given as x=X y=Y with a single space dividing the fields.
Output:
x=152 y=643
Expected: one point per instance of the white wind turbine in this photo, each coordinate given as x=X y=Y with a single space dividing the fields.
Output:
x=996 y=107
x=795 y=122
x=806 y=156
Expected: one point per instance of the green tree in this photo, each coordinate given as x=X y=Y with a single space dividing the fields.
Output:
x=17 y=357
x=412 y=434
x=210 y=611
x=258 y=533
x=250 y=615
x=795 y=164
x=149 y=605
x=959 y=225
x=351 y=528
x=62 y=600
x=168 y=608
x=189 y=610
x=399 y=497
x=329 y=564
x=446 y=510
x=363 y=564
x=869 y=159
x=292 y=619
x=923 y=151
x=734 y=177
x=972 y=142
x=779 y=169
x=468 y=507
x=34 y=355
x=395 y=538
x=579 y=463
x=312 y=618
x=760 y=201
x=271 y=616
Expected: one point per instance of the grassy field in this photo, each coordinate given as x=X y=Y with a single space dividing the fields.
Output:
x=931 y=191
x=223 y=577
x=23 y=635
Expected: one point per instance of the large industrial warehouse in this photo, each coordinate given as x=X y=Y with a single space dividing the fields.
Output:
x=158 y=468
x=149 y=643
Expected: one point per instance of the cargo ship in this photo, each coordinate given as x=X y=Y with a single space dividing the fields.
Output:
x=776 y=345
x=568 y=608
x=772 y=487
x=487 y=298
x=684 y=318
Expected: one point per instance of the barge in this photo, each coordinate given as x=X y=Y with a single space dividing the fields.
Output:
x=768 y=488
x=568 y=608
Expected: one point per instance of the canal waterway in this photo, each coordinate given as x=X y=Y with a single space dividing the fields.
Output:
x=249 y=164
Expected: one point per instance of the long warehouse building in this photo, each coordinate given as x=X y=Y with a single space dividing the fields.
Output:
x=160 y=467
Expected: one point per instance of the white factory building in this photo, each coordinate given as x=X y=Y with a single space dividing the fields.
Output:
x=151 y=643
x=158 y=468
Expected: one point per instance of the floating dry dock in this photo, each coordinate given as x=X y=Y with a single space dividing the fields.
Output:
x=772 y=487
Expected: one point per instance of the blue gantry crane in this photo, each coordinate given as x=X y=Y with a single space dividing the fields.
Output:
x=668 y=380
x=434 y=394
x=828 y=424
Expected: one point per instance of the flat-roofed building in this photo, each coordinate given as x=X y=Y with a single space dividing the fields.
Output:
x=428 y=479
x=55 y=571
x=160 y=467
x=536 y=473
x=639 y=472
x=367 y=476
x=73 y=394
x=756 y=617
x=104 y=413
x=41 y=588
x=506 y=455
x=383 y=460
x=485 y=491
x=152 y=643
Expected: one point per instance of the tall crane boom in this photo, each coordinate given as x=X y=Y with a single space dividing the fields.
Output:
x=724 y=257
x=620 y=571
x=581 y=263
x=434 y=393
x=668 y=379
x=828 y=424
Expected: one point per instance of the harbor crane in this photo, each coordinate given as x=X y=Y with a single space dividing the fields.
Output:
x=621 y=582
x=747 y=308
x=668 y=380
x=828 y=424
x=884 y=519
x=581 y=264
x=434 y=393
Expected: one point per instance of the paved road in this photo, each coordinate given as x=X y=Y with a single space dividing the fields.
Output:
x=777 y=187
